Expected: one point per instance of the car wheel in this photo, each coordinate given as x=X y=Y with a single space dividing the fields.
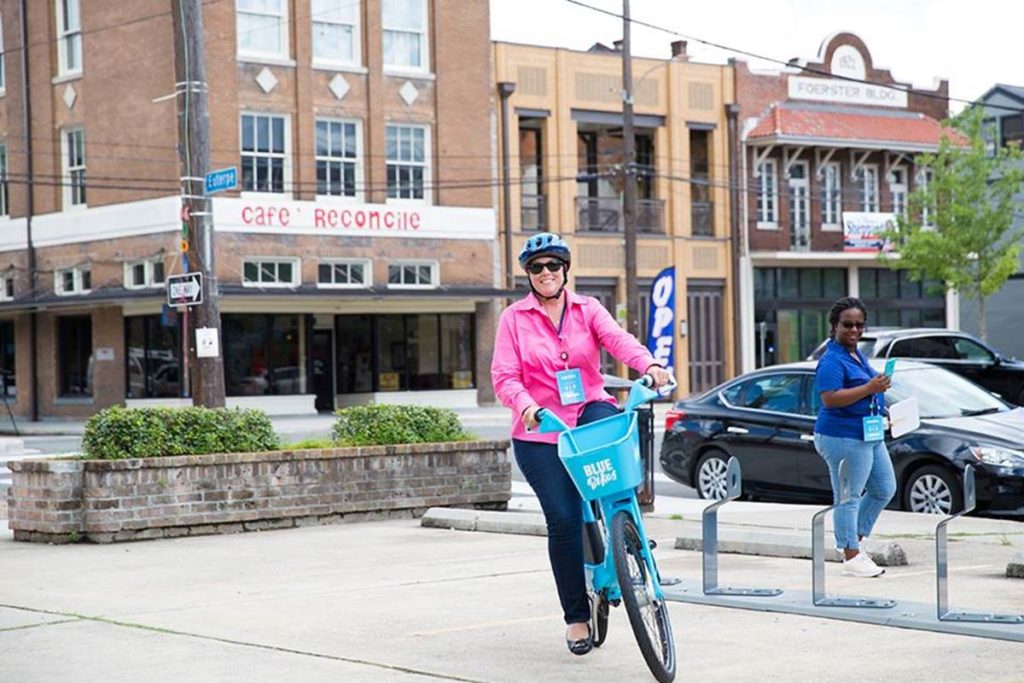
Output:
x=709 y=476
x=934 y=490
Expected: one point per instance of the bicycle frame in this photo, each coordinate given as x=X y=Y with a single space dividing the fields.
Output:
x=603 y=577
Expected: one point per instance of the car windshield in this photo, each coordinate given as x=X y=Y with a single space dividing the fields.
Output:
x=940 y=393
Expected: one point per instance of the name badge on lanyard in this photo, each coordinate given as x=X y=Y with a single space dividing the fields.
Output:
x=874 y=425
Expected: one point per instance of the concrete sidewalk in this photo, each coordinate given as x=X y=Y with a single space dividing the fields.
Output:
x=393 y=601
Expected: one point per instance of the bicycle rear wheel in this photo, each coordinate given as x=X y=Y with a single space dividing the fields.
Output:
x=647 y=616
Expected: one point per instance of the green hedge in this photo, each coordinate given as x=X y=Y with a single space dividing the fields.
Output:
x=386 y=424
x=118 y=432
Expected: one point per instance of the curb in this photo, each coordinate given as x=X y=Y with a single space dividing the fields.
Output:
x=766 y=542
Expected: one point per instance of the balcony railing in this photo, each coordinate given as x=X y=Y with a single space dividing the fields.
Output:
x=604 y=214
x=533 y=214
x=702 y=219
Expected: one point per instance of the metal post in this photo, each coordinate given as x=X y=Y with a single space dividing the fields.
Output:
x=206 y=374
x=505 y=90
x=33 y=275
x=629 y=176
x=709 y=548
x=942 y=566
x=818 y=555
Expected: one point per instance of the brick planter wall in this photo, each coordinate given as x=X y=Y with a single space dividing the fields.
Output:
x=105 y=501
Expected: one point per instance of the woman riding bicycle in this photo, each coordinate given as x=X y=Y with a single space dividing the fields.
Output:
x=547 y=354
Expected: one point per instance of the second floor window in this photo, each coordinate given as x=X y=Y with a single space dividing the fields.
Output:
x=262 y=28
x=5 y=209
x=74 y=167
x=72 y=281
x=337 y=158
x=335 y=31
x=1011 y=130
x=259 y=272
x=413 y=274
x=831 y=196
x=147 y=273
x=343 y=273
x=407 y=162
x=898 y=188
x=7 y=290
x=767 y=193
x=405 y=29
x=869 y=189
x=263 y=153
x=69 y=38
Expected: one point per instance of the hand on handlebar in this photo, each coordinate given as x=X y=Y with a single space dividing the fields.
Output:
x=660 y=376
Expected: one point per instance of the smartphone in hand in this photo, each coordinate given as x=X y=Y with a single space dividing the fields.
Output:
x=890 y=367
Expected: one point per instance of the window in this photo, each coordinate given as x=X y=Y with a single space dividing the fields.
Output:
x=767 y=194
x=263 y=354
x=832 y=197
x=412 y=274
x=146 y=273
x=262 y=28
x=153 y=356
x=407 y=154
x=264 y=152
x=898 y=188
x=405 y=34
x=73 y=153
x=934 y=348
x=967 y=349
x=924 y=179
x=69 y=38
x=72 y=281
x=74 y=355
x=869 y=189
x=7 y=288
x=271 y=272
x=5 y=208
x=344 y=273
x=778 y=393
x=1011 y=132
x=336 y=31
x=337 y=158
x=8 y=385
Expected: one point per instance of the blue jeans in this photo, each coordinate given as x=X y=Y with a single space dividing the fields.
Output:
x=869 y=470
x=563 y=512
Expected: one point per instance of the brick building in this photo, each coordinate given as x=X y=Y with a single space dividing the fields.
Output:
x=828 y=158
x=357 y=261
x=566 y=153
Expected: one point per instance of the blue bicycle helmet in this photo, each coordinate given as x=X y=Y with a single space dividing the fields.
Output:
x=544 y=244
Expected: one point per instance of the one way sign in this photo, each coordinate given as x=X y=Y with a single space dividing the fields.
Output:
x=185 y=289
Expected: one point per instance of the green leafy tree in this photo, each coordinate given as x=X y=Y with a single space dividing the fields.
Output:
x=958 y=228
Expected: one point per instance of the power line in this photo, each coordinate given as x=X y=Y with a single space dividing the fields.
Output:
x=807 y=69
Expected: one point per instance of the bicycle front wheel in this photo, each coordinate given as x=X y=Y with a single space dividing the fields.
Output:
x=647 y=615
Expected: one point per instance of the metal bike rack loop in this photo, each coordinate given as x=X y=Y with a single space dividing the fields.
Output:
x=818 y=555
x=733 y=488
x=942 y=567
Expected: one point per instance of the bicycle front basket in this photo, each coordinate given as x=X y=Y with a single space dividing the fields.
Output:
x=602 y=457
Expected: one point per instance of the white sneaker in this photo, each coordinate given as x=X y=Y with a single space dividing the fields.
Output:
x=862 y=566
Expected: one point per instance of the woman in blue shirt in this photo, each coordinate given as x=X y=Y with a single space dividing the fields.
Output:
x=849 y=428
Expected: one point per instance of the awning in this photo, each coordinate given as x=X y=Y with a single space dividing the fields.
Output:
x=823 y=126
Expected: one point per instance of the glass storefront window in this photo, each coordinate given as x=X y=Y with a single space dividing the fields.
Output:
x=835 y=283
x=810 y=282
x=8 y=384
x=424 y=352
x=391 y=353
x=263 y=355
x=74 y=355
x=888 y=284
x=153 y=356
x=355 y=353
x=789 y=283
x=457 y=351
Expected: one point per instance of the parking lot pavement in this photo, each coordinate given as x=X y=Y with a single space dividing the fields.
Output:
x=393 y=601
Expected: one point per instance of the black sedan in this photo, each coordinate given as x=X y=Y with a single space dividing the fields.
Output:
x=766 y=420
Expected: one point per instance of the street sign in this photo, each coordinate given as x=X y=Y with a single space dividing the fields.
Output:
x=224 y=179
x=185 y=289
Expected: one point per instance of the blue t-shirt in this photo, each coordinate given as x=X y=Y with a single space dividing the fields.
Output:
x=837 y=369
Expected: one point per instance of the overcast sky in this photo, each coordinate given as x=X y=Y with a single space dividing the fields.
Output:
x=973 y=44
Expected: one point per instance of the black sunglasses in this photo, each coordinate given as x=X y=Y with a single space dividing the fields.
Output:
x=848 y=325
x=537 y=268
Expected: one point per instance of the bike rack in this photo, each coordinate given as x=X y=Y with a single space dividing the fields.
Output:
x=942 y=567
x=734 y=486
x=818 y=555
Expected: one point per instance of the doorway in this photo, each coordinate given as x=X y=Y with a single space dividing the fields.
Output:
x=323 y=369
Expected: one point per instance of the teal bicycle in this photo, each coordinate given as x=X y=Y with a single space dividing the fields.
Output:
x=603 y=459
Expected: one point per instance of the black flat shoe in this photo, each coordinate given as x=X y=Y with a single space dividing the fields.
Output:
x=583 y=645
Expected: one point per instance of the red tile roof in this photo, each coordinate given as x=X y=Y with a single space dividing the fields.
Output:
x=874 y=128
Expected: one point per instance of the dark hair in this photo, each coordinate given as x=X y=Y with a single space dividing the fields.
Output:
x=844 y=304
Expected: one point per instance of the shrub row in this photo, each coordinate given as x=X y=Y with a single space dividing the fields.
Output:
x=119 y=432
x=384 y=424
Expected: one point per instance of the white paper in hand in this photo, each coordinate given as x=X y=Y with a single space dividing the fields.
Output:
x=904 y=417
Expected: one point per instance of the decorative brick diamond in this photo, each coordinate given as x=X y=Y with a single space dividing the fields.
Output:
x=70 y=96
x=339 y=86
x=409 y=93
x=266 y=80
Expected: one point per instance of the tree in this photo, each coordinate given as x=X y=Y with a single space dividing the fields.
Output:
x=959 y=225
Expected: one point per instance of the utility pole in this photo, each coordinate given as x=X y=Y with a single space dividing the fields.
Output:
x=206 y=374
x=629 y=173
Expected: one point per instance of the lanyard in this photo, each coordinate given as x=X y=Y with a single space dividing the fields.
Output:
x=564 y=355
